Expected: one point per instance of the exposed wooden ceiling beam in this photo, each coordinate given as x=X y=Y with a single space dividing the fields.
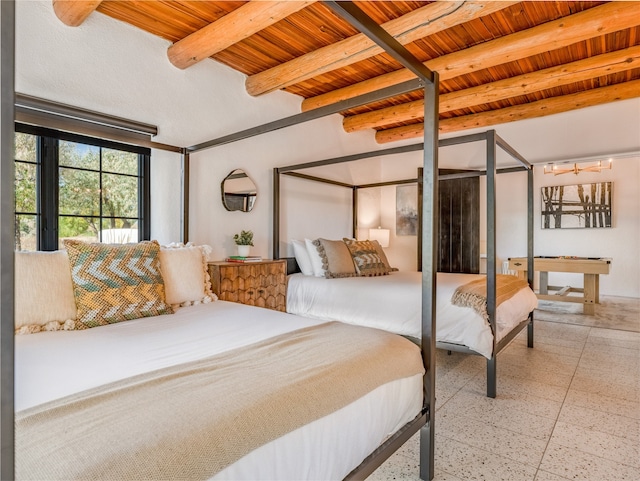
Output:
x=540 y=108
x=596 y=21
x=232 y=28
x=74 y=12
x=580 y=70
x=418 y=24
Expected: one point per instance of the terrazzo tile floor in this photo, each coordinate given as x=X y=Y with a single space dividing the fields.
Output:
x=567 y=409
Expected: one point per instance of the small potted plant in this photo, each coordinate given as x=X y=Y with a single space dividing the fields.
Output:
x=244 y=241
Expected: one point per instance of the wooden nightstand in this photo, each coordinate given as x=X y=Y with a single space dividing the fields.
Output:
x=262 y=284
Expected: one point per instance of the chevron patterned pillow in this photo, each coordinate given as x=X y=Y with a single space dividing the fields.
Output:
x=116 y=282
x=366 y=258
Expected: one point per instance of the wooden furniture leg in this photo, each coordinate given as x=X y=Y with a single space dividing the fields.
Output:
x=544 y=283
x=590 y=282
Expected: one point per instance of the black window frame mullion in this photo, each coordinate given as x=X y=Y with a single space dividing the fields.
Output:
x=100 y=206
x=48 y=193
x=48 y=175
x=144 y=197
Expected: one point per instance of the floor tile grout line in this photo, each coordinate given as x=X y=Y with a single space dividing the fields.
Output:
x=491 y=453
x=564 y=399
x=563 y=404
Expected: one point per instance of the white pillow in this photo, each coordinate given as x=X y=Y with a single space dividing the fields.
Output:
x=185 y=273
x=43 y=292
x=316 y=259
x=302 y=257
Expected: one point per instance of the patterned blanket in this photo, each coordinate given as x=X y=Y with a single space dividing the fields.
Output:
x=474 y=294
x=192 y=420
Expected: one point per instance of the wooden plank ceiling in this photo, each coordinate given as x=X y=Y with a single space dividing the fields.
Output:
x=498 y=61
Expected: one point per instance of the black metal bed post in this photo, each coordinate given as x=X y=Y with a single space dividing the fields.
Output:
x=430 y=81
x=420 y=195
x=276 y=213
x=7 y=135
x=530 y=248
x=530 y=272
x=354 y=212
x=491 y=258
x=184 y=212
x=429 y=245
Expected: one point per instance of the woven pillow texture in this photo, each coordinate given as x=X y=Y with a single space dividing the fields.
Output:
x=116 y=282
x=383 y=256
x=366 y=258
x=336 y=258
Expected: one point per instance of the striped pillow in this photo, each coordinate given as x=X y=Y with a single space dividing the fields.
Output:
x=366 y=258
x=116 y=282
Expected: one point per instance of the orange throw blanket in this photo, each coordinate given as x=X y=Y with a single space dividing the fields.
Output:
x=474 y=294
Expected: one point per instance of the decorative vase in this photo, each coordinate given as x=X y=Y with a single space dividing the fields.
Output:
x=244 y=250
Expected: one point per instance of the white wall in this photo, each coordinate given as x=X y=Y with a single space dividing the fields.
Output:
x=621 y=242
x=110 y=67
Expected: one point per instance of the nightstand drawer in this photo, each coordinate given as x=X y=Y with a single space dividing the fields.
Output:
x=261 y=284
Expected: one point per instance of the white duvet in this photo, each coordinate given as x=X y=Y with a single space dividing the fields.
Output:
x=50 y=365
x=393 y=303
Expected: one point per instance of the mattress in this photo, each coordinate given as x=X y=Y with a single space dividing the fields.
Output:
x=393 y=303
x=52 y=365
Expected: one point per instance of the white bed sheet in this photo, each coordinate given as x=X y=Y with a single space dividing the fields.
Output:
x=51 y=365
x=393 y=303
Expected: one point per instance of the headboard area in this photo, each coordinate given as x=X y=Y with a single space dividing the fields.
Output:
x=292 y=265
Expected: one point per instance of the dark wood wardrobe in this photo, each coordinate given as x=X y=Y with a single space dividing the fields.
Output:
x=459 y=243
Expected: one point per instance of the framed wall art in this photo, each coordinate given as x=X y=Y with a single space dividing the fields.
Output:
x=580 y=206
x=407 y=210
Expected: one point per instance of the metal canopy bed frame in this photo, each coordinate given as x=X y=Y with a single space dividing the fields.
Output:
x=426 y=80
x=492 y=141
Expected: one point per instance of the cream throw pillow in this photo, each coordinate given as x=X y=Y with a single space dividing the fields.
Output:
x=43 y=292
x=186 y=275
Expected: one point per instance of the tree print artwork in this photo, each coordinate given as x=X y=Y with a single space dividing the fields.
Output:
x=576 y=206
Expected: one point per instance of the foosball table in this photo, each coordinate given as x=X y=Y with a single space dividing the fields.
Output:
x=590 y=267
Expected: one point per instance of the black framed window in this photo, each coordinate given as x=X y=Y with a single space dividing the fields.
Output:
x=72 y=186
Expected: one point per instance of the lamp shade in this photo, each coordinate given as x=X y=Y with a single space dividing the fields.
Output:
x=381 y=235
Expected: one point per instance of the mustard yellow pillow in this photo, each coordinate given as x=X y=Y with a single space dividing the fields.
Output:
x=116 y=282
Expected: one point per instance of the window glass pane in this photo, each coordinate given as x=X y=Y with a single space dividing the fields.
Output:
x=119 y=196
x=26 y=233
x=25 y=147
x=119 y=162
x=79 y=192
x=79 y=228
x=25 y=187
x=119 y=231
x=72 y=154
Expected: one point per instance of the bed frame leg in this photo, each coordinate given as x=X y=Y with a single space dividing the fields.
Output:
x=427 y=451
x=491 y=377
x=530 y=331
